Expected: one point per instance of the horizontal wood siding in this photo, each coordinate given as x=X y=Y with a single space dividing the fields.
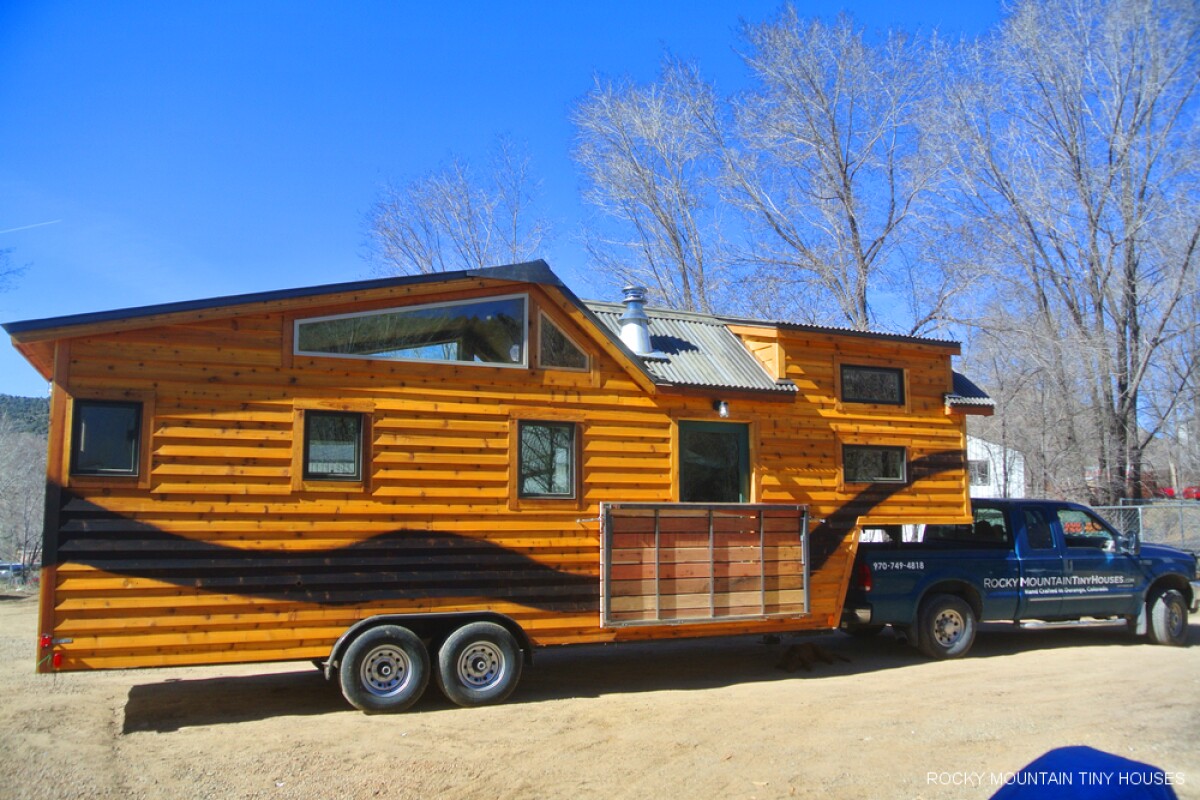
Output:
x=224 y=554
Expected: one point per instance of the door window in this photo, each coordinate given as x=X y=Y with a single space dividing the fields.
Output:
x=714 y=462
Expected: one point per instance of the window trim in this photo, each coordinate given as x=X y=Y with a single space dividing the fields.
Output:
x=307 y=472
x=520 y=492
x=746 y=460
x=64 y=456
x=982 y=466
x=77 y=422
x=902 y=480
x=525 y=343
x=544 y=319
x=900 y=372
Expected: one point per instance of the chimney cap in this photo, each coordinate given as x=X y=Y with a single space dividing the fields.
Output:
x=634 y=294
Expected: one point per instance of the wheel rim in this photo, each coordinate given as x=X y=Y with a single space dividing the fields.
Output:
x=948 y=627
x=385 y=671
x=481 y=665
x=1175 y=620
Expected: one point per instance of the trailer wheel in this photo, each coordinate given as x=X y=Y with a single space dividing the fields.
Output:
x=1167 y=618
x=946 y=628
x=386 y=668
x=479 y=664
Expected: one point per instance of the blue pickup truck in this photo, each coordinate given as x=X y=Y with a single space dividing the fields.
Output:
x=1020 y=560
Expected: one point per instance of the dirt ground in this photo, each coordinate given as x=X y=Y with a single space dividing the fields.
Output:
x=710 y=719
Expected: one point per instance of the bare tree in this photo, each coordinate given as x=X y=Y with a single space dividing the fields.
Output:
x=455 y=218
x=1074 y=141
x=22 y=493
x=649 y=166
x=830 y=165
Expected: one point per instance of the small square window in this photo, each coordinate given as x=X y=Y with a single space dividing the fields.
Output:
x=981 y=472
x=883 y=385
x=865 y=464
x=332 y=446
x=106 y=438
x=546 y=459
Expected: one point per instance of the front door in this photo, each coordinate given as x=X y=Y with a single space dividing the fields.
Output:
x=1099 y=579
x=714 y=462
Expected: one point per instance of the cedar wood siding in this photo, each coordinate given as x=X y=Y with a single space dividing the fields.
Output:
x=224 y=402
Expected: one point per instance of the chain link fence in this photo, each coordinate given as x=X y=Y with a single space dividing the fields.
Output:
x=1173 y=522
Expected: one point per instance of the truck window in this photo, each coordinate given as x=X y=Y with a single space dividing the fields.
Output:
x=988 y=530
x=1081 y=529
x=1037 y=529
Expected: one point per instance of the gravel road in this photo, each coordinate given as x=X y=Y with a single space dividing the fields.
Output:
x=714 y=719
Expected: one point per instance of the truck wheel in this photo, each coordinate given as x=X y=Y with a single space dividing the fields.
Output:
x=386 y=668
x=946 y=628
x=479 y=664
x=1167 y=618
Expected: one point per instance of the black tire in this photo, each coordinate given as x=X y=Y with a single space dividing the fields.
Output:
x=479 y=664
x=946 y=627
x=1167 y=618
x=385 y=669
x=864 y=631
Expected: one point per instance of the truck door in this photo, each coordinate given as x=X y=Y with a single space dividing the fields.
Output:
x=1098 y=579
x=1041 y=566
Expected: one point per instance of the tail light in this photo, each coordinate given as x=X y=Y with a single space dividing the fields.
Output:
x=862 y=576
x=45 y=640
x=57 y=659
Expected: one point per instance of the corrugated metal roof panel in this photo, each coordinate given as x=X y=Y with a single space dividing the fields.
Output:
x=700 y=350
x=966 y=393
x=841 y=331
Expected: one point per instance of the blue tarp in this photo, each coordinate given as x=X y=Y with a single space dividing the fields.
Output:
x=1089 y=774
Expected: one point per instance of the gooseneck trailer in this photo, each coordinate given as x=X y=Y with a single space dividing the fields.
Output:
x=429 y=478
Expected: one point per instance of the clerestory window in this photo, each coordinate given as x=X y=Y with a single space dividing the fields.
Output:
x=491 y=330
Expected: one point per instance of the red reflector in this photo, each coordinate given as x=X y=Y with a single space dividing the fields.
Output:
x=45 y=640
x=56 y=660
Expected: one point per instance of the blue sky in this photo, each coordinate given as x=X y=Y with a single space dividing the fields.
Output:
x=154 y=152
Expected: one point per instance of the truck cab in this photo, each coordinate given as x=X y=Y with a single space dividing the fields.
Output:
x=1018 y=560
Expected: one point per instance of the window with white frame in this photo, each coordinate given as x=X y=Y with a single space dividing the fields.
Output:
x=491 y=330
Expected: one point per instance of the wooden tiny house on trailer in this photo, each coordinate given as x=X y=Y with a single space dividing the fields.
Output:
x=429 y=475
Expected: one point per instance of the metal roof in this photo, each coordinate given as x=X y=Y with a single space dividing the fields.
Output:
x=966 y=393
x=528 y=272
x=841 y=331
x=698 y=350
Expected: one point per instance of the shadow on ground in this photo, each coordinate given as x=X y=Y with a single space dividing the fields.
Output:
x=593 y=671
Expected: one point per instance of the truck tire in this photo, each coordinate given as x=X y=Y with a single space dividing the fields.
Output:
x=1167 y=618
x=384 y=669
x=945 y=627
x=479 y=664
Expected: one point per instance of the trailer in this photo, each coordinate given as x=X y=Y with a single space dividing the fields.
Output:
x=431 y=477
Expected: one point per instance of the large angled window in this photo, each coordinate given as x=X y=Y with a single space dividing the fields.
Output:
x=557 y=350
x=488 y=331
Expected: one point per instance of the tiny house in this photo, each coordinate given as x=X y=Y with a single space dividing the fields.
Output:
x=430 y=477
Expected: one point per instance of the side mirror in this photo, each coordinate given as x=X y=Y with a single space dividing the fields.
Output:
x=1129 y=542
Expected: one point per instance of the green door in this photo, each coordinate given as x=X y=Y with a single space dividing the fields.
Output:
x=714 y=462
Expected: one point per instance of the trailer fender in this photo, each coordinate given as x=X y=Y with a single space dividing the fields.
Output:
x=434 y=628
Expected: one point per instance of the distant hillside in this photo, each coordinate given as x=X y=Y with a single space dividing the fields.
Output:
x=27 y=414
